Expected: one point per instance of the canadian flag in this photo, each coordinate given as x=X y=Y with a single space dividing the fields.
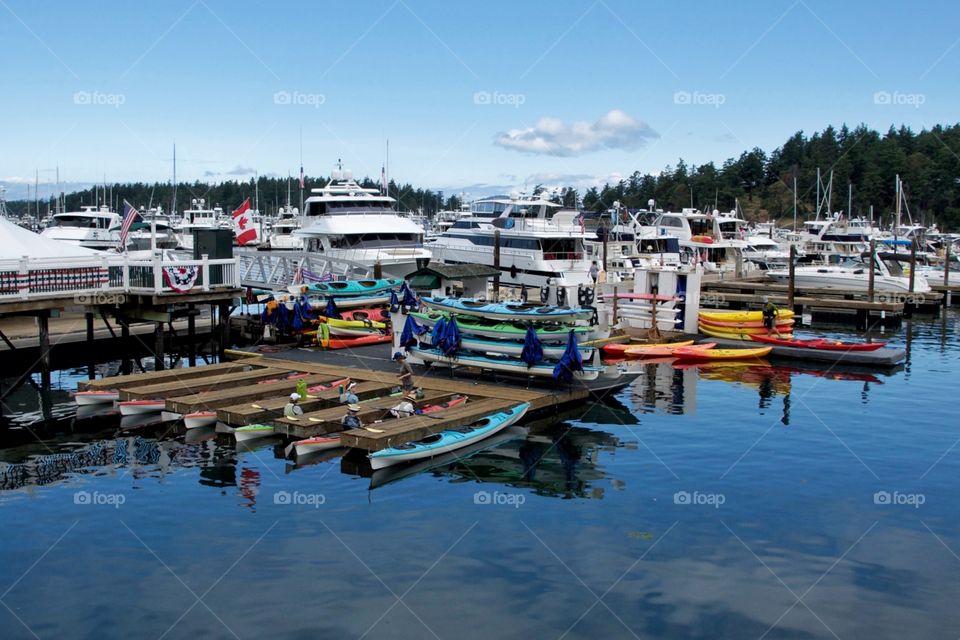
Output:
x=243 y=224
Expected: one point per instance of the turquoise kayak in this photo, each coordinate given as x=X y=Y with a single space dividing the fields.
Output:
x=448 y=440
x=505 y=364
x=505 y=330
x=347 y=287
x=508 y=310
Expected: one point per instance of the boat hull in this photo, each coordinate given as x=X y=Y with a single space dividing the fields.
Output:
x=507 y=312
x=244 y=434
x=85 y=398
x=507 y=331
x=140 y=407
x=200 y=419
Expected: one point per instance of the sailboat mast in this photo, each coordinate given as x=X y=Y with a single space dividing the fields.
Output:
x=173 y=199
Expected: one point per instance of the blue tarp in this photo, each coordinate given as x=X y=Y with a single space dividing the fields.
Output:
x=570 y=361
x=410 y=299
x=394 y=303
x=331 y=309
x=446 y=336
x=411 y=331
x=532 y=349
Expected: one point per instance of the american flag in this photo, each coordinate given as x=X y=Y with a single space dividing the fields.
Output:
x=130 y=216
x=301 y=176
x=383 y=179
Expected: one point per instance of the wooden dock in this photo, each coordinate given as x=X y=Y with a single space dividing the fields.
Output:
x=255 y=390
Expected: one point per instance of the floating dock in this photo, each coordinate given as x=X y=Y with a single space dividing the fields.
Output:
x=881 y=358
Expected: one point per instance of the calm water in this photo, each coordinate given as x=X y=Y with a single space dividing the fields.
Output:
x=732 y=502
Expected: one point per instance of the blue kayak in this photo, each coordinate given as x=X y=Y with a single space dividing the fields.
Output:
x=508 y=365
x=509 y=347
x=448 y=440
x=347 y=287
x=508 y=310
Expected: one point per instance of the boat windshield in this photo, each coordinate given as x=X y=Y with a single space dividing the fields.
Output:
x=80 y=222
x=375 y=240
x=893 y=267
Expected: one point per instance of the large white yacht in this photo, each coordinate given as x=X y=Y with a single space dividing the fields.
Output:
x=714 y=239
x=539 y=241
x=282 y=229
x=91 y=227
x=853 y=274
x=343 y=220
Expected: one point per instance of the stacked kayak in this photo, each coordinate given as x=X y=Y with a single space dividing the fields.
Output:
x=620 y=350
x=740 y=325
x=252 y=432
x=505 y=364
x=347 y=288
x=507 y=311
x=549 y=332
x=448 y=440
x=508 y=347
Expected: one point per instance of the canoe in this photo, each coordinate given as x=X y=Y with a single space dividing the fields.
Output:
x=689 y=353
x=819 y=343
x=84 y=398
x=252 y=432
x=352 y=324
x=619 y=349
x=752 y=324
x=347 y=288
x=664 y=351
x=507 y=311
x=508 y=365
x=741 y=316
x=729 y=335
x=138 y=407
x=505 y=330
x=448 y=440
x=328 y=385
x=510 y=348
x=199 y=419
x=349 y=343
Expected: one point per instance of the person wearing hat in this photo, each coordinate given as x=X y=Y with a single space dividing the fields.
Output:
x=406 y=373
x=407 y=407
x=348 y=395
x=770 y=313
x=351 y=420
x=292 y=410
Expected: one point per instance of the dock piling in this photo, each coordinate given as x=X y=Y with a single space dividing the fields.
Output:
x=43 y=324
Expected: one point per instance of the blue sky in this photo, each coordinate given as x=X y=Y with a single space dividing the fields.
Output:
x=493 y=93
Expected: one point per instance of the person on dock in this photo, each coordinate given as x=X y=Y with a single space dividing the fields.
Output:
x=351 y=420
x=348 y=395
x=292 y=410
x=594 y=271
x=406 y=373
x=770 y=314
x=407 y=407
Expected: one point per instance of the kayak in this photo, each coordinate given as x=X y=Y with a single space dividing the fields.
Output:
x=137 y=407
x=664 y=351
x=352 y=324
x=252 y=431
x=509 y=365
x=326 y=386
x=620 y=349
x=293 y=376
x=349 y=343
x=819 y=343
x=353 y=332
x=730 y=335
x=505 y=330
x=84 y=398
x=199 y=419
x=742 y=316
x=373 y=315
x=752 y=324
x=782 y=328
x=507 y=311
x=508 y=347
x=448 y=440
x=689 y=353
x=347 y=287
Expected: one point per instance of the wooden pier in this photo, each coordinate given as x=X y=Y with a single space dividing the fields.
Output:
x=255 y=391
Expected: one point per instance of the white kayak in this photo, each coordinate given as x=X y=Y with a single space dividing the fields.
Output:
x=85 y=398
x=199 y=419
x=138 y=407
x=251 y=432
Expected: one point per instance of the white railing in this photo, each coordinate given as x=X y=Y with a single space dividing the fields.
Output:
x=27 y=279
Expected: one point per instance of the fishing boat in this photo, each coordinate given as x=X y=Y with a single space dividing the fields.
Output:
x=742 y=316
x=199 y=419
x=448 y=440
x=138 y=407
x=618 y=350
x=252 y=432
x=507 y=311
x=505 y=364
x=348 y=288
x=505 y=330
x=819 y=343
x=96 y=397
x=691 y=353
x=509 y=348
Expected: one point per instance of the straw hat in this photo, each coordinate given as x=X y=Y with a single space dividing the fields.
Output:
x=353 y=407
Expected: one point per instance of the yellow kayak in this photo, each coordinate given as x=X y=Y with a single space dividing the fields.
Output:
x=720 y=354
x=355 y=324
x=736 y=335
x=742 y=316
x=746 y=331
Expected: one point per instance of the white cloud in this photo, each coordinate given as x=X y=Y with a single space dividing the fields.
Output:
x=552 y=137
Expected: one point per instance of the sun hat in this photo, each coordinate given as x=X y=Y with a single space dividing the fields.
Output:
x=294 y=396
x=351 y=385
x=353 y=407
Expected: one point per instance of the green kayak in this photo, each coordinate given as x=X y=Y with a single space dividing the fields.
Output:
x=504 y=330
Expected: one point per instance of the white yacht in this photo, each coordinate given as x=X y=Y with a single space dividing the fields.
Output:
x=346 y=221
x=199 y=216
x=91 y=227
x=765 y=253
x=853 y=274
x=714 y=239
x=156 y=230
x=539 y=241
x=282 y=230
x=825 y=239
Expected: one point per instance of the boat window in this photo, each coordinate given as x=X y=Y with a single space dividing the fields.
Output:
x=81 y=222
x=701 y=227
x=894 y=268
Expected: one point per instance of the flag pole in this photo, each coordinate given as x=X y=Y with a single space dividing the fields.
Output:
x=301 y=169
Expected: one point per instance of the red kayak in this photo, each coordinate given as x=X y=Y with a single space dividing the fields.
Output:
x=346 y=343
x=374 y=314
x=329 y=385
x=819 y=343
x=440 y=406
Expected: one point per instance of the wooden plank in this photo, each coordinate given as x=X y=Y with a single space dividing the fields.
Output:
x=328 y=420
x=235 y=412
x=250 y=392
x=200 y=385
x=154 y=377
x=416 y=427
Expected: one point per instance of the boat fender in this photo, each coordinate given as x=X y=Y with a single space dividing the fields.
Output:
x=513 y=272
x=544 y=294
x=584 y=295
x=561 y=296
x=595 y=320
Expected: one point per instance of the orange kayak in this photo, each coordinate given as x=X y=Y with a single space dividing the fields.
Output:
x=721 y=354
x=665 y=351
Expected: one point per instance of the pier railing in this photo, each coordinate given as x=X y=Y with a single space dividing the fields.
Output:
x=28 y=278
x=277 y=269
